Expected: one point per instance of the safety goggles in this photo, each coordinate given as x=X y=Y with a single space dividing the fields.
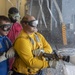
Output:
x=15 y=16
x=5 y=27
x=32 y=23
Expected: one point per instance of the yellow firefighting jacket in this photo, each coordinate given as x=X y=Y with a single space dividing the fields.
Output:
x=25 y=62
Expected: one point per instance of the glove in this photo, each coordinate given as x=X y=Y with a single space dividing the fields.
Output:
x=10 y=53
x=38 y=52
x=10 y=72
x=3 y=57
x=52 y=63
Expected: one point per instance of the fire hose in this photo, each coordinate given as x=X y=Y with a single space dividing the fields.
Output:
x=57 y=57
x=65 y=54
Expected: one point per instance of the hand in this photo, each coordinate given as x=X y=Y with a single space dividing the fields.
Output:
x=10 y=53
x=38 y=52
x=3 y=57
x=52 y=63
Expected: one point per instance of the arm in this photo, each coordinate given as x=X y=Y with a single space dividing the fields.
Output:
x=46 y=45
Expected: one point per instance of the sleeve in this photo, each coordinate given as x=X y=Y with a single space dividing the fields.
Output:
x=46 y=46
x=9 y=41
x=23 y=48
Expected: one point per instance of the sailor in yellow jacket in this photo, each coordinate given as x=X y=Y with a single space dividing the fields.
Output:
x=29 y=47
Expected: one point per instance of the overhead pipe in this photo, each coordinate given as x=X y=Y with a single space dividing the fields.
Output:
x=59 y=11
x=18 y=4
x=31 y=3
x=26 y=7
x=62 y=22
x=39 y=10
x=40 y=4
x=10 y=2
x=38 y=16
x=51 y=14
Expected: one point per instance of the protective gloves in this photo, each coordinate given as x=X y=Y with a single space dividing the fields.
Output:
x=10 y=53
x=10 y=72
x=38 y=52
x=53 y=63
x=3 y=57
